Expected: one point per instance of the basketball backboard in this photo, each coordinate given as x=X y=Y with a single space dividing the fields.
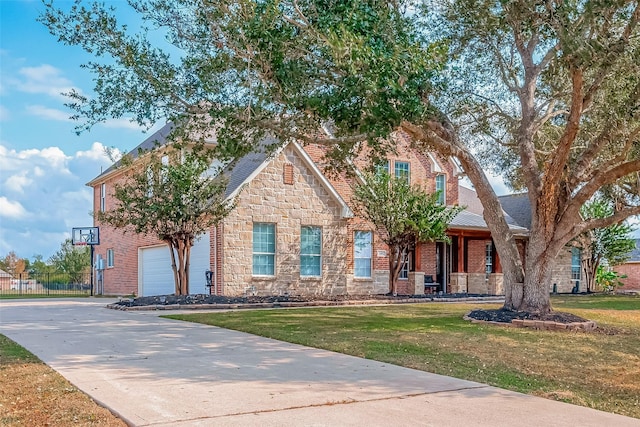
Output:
x=85 y=235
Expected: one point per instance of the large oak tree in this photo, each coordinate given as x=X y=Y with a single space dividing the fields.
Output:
x=546 y=90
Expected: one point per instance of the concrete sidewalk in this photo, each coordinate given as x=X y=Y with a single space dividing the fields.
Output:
x=159 y=372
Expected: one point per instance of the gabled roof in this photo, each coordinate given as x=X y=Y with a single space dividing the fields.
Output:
x=243 y=170
x=518 y=208
x=240 y=171
x=472 y=216
x=4 y=274
x=158 y=138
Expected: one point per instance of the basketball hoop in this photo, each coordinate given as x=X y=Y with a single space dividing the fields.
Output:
x=82 y=236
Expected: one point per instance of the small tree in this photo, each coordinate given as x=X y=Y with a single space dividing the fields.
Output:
x=38 y=266
x=13 y=264
x=72 y=260
x=173 y=195
x=611 y=244
x=404 y=215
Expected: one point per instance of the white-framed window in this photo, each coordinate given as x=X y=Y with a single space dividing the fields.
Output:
x=110 y=258
x=164 y=160
x=576 y=270
x=404 y=271
x=310 y=251
x=441 y=186
x=401 y=170
x=103 y=197
x=382 y=168
x=362 y=250
x=264 y=249
x=488 y=258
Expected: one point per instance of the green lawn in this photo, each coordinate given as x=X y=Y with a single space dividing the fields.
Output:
x=599 y=370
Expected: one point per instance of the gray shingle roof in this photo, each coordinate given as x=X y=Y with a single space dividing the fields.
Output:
x=156 y=139
x=467 y=220
x=517 y=206
x=240 y=170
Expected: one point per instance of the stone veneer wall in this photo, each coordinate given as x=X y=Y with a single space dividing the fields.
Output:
x=305 y=202
x=561 y=273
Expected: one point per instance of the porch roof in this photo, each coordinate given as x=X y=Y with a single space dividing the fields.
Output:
x=466 y=220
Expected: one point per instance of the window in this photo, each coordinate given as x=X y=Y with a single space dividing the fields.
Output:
x=164 y=160
x=441 y=186
x=110 y=258
x=382 y=168
x=488 y=258
x=401 y=170
x=103 y=197
x=404 y=271
x=576 y=256
x=264 y=249
x=362 y=248
x=310 y=251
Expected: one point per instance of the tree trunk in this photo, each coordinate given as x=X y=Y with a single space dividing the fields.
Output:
x=540 y=259
x=174 y=266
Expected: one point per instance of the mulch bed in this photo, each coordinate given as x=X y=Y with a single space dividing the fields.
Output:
x=217 y=299
x=506 y=316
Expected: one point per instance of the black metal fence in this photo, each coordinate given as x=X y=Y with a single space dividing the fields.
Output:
x=45 y=284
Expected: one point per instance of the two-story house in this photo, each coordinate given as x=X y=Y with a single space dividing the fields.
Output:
x=293 y=232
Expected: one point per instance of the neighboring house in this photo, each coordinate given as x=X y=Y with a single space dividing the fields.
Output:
x=293 y=232
x=631 y=269
x=567 y=271
x=5 y=280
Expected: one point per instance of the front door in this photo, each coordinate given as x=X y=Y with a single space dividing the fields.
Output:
x=443 y=265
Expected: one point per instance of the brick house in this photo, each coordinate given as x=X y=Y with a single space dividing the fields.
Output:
x=293 y=232
x=631 y=269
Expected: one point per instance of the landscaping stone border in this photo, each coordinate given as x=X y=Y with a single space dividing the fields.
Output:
x=285 y=304
x=587 y=326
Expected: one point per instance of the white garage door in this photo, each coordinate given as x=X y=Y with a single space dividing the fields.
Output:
x=156 y=275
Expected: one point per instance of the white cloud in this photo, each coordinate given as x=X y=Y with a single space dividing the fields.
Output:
x=43 y=194
x=18 y=183
x=97 y=152
x=45 y=79
x=49 y=113
x=11 y=209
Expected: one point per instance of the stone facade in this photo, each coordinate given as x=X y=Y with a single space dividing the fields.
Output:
x=305 y=202
x=561 y=273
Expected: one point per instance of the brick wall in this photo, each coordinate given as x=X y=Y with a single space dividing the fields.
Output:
x=632 y=271
x=122 y=278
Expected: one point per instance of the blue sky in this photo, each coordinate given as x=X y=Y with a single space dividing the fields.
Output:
x=44 y=165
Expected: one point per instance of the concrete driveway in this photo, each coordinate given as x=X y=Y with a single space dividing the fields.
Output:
x=159 y=372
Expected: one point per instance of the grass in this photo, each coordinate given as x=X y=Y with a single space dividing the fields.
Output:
x=599 y=370
x=32 y=394
x=56 y=294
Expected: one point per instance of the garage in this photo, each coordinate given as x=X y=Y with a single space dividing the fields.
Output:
x=155 y=276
